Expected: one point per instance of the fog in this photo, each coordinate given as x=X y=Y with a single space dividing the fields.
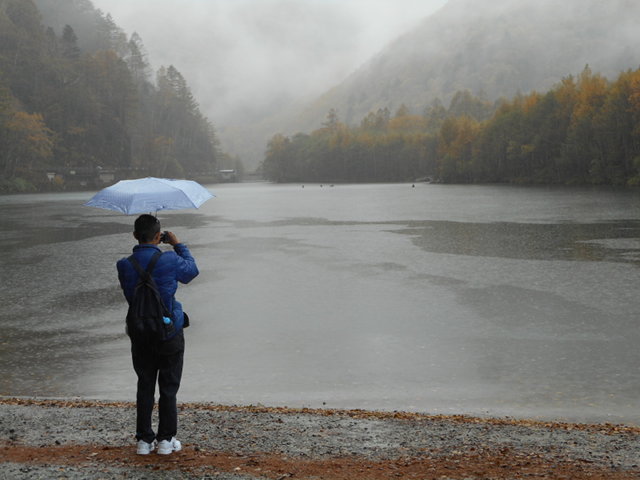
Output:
x=241 y=57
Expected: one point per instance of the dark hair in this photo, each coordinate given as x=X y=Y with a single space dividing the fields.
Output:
x=146 y=227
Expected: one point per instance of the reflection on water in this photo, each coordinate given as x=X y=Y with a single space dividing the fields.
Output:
x=479 y=300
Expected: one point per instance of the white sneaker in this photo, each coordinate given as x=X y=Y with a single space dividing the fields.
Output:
x=145 y=448
x=165 y=447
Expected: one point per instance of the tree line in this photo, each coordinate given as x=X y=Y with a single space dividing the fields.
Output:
x=585 y=130
x=65 y=108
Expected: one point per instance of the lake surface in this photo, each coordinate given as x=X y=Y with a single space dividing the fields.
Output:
x=483 y=300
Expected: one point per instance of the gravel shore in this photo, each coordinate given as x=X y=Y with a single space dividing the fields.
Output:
x=75 y=439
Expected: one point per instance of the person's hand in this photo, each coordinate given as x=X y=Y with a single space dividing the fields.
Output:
x=172 y=239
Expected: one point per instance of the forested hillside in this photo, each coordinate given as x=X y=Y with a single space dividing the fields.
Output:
x=79 y=104
x=483 y=92
x=585 y=130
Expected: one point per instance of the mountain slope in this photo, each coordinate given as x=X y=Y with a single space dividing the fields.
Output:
x=495 y=49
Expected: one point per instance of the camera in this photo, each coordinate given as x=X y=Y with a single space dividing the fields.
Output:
x=164 y=237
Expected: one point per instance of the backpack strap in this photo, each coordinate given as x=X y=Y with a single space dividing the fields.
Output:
x=152 y=263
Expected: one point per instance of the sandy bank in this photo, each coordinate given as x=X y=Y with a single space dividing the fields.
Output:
x=93 y=440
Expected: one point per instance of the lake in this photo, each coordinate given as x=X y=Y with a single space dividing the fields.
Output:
x=481 y=300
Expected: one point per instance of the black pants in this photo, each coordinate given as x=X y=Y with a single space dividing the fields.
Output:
x=162 y=364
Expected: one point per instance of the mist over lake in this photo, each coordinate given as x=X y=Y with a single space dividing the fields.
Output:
x=486 y=300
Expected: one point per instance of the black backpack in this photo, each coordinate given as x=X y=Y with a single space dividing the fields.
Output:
x=145 y=317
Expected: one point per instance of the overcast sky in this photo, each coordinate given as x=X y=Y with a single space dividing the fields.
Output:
x=240 y=54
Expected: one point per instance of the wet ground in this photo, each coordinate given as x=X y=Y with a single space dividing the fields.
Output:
x=42 y=439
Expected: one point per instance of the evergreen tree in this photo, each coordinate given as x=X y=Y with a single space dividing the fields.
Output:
x=70 y=43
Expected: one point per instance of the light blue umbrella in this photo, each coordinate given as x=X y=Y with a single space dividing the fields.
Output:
x=147 y=195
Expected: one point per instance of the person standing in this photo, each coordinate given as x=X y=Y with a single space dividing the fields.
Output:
x=152 y=360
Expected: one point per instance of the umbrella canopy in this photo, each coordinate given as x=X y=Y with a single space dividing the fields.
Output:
x=145 y=195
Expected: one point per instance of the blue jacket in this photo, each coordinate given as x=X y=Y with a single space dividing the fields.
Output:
x=171 y=268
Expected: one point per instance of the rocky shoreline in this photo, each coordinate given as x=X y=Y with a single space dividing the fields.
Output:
x=76 y=439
